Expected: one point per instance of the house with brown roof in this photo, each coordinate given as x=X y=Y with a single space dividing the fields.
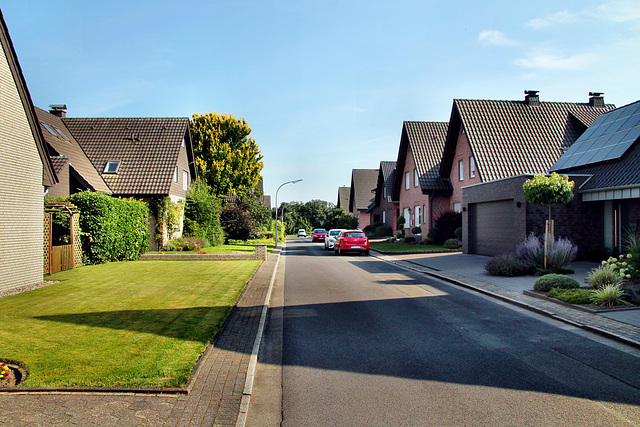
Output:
x=143 y=158
x=26 y=173
x=492 y=147
x=343 y=198
x=417 y=181
x=74 y=170
x=363 y=185
x=384 y=209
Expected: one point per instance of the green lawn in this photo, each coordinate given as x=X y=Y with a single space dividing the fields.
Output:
x=128 y=324
x=233 y=248
x=405 y=247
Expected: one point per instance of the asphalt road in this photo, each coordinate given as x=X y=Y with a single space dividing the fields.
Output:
x=352 y=340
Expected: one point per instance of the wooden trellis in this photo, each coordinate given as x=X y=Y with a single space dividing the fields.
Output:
x=65 y=257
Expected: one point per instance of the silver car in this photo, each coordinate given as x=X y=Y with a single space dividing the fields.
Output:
x=330 y=238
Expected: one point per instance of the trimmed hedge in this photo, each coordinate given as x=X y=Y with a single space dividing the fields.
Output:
x=550 y=281
x=113 y=229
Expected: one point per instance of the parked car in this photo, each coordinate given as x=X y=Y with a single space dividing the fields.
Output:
x=330 y=238
x=302 y=233
x=318 y=235
x=350 y=241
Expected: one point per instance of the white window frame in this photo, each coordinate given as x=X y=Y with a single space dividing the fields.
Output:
x=175 y=174
x=461 y=170
x=185 y=180
x=107 y=169
x=472 y=167
x=407 y=217
x=416 y=181
x=418 y=215
x=407 y=182
x=457 y=207
x=384 y=217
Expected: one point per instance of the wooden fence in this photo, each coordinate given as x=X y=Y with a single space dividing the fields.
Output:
x=65 y=257
x=62 y=258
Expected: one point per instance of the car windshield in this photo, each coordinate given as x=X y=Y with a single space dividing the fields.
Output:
x=320 y=231
x=334 y=232
x=354 y=234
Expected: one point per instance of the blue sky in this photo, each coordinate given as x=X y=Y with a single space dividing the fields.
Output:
x=324 y=85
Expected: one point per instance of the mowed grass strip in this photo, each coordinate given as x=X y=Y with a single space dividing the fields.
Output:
x=128 y=324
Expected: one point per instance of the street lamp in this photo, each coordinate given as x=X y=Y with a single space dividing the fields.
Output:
x=284 y=183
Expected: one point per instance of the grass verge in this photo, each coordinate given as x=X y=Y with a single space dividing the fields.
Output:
x=129 y=324
x=232 y=248
x=405 y=247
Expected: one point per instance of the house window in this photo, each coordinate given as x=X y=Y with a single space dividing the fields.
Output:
x=384 y=217
x=407 y=216
x=185 y=180
x=407 y=183
x=182 y=142
x=416 y=181
x=472 y=167
x=456 y=208
x=418 y=214
x=112 y=166
x=461 y=170
x=175 y=174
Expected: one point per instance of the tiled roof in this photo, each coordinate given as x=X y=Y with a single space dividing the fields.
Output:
x=426 y=140
x=388 y=171
x=147 y=149
x=59 y=163
x=64 y=144
x=363 y=181
x=343 y=198
x=511 y=138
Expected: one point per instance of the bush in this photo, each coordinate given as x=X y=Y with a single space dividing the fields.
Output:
x=202 y=214
x=531 y=251
x=507 y=265
x=409 y=239
x=608 y=295
x=623 y=265
x=445 y=227
x=572 y=296
x=550 y=281
x=185 y=244
x=458 y=233
x=452 y=244
x=237 y=223
x=416 y=230
x=604 y=275
x=113 y=229
x=383 y=231
x=399 y=236
x=562 y=253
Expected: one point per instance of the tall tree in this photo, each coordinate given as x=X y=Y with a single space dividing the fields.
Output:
x=227 y=159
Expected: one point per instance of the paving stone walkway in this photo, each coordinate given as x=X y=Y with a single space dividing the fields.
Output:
x=216 y=388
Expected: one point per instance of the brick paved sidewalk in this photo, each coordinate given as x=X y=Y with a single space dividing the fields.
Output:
x=215 y=389
x=620 y=331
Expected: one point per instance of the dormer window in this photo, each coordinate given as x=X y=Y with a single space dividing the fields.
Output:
x=112 y=166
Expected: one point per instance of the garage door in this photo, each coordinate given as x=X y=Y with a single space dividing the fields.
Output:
x=491 y=230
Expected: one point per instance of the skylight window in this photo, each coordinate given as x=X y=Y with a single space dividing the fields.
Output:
x=46 y=126
x=112 y=166
x=60 y=132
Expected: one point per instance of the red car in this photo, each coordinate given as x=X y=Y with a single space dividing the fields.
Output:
x=351 y=240
x=318 y=235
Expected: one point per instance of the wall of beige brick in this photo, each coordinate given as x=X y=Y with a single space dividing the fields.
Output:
x=21 y=191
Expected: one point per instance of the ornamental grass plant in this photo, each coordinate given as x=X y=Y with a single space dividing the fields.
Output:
x=121 y=324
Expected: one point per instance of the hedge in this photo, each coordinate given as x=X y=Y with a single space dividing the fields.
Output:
x=113 y=229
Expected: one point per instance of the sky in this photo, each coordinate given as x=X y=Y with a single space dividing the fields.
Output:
x=324 y=85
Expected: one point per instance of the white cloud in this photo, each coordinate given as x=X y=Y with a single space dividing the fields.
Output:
x=559 y=18
x=619 y=10
x=549 y=61
x=496 y=38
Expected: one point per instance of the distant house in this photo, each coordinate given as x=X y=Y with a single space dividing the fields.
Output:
x=384 y=209
x=608 y=155
x=26 y=173
x=75 y=171
x=144 y=158
x=492 y=148
x=363 y=185
x=417 y=181
x=343 y=198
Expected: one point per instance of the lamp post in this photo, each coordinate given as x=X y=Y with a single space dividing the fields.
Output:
x=284 y=183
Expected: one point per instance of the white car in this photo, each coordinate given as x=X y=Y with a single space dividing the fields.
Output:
x=331 y=237
x=302 y=233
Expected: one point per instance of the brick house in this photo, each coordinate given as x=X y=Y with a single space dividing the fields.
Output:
x=384 y=209
x=506 y=142
x=363 y=185
x=26 y=172
x=74 y=170
x=489 y=140
x=143 y=158
x=417 y=182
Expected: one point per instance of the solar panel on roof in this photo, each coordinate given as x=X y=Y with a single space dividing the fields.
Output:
x=608 y=138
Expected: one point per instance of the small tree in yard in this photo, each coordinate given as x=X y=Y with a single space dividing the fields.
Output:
x=548 y=190
x=237 y=223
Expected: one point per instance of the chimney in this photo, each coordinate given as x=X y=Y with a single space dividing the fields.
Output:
x=596 y=99
x=532 y=97
x=59 y=110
